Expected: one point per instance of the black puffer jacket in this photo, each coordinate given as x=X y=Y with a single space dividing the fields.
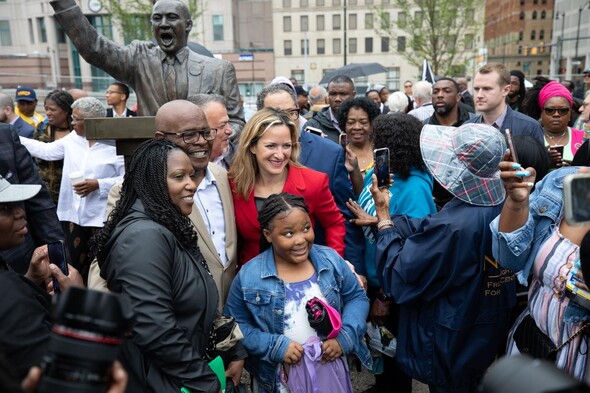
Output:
x=175 y=302
x=323 y=121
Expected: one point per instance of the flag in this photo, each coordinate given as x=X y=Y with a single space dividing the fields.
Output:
x=427 y=74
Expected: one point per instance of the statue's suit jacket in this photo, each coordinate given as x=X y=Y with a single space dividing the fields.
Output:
x=223 y=276
x=139 y=65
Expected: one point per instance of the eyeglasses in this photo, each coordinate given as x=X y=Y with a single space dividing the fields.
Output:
x=194 y=135
x=293 y=113
x=77 y=119
x=561 y=111
x=113 y=92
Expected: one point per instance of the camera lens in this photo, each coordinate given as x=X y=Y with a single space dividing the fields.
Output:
x=85 y=340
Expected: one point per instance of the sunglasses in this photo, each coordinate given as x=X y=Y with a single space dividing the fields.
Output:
x=561 y=111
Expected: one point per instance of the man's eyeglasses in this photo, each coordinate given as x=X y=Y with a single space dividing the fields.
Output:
x=561 y=111
x=293 y=113
x=113 y=92
x=194 y=135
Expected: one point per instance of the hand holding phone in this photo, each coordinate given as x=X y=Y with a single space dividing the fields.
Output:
x=511 y=145
x=343 y=139
x=381 y=157
x=59 y=257
x=576 y=198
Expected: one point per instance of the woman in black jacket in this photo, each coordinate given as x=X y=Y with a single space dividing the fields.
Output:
x=148 y=251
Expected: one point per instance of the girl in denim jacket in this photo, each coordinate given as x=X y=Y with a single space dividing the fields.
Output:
x=268 y=296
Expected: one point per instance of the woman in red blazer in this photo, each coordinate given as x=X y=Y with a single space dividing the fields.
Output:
x=266 y=164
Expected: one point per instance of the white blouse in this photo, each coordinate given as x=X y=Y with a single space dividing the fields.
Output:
x=98 y=161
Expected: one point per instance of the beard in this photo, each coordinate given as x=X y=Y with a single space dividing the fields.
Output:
x=443 y=110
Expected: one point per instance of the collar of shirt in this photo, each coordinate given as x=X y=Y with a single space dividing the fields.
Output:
x=334 y=120
x=208 y=180
x=219 y=161
x=497 y=124
x=124 y=114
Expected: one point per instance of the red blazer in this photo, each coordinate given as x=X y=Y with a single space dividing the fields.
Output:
x=311 y=185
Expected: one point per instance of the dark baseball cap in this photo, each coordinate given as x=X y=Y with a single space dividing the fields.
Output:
x=24 y=93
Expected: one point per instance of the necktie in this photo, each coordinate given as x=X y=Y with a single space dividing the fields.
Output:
x=170 y=79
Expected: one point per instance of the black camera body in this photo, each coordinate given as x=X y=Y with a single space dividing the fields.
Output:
x=87 y=334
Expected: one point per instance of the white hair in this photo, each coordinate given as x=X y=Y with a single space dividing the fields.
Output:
x=422 y=90
x=397 y=102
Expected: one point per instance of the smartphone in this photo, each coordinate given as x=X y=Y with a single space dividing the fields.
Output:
x=314 y=130
x=59 y=257
x=381 y=157
x=511 y=145
x=576 y=198
x=343 y=140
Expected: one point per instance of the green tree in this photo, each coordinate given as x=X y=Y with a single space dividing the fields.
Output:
x=440 y=31
x=133 y=17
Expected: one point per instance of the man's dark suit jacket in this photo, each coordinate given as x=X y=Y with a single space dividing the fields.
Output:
x=325 y=156
x=17 y=166
x=518 y=124
x=130 y=113
x=467 y=99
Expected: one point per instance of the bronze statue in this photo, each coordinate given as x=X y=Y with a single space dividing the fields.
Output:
x=158 y=73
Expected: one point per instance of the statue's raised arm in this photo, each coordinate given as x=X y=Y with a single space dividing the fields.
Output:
x=158 y=73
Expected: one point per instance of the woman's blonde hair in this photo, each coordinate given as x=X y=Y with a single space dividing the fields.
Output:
x=244 y=167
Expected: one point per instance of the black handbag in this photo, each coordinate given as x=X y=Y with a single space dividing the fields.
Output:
x=532 y=341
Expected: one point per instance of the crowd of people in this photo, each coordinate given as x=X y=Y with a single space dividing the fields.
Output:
x=276 y=229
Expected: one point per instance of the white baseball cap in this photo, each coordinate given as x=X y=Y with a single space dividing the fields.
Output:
x=17 y=192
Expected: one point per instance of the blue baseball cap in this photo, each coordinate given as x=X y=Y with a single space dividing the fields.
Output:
x=24 y=93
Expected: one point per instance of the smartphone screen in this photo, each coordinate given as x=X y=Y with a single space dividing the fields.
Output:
x=382 y=166
x=57 y=256
x=511 y=145
x=576 y=195
x=343 y=140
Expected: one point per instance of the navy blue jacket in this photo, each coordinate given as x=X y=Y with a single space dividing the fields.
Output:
x=23 y=128
x=17 y=166
x=518 y=124
x=454 y=298
x=325 y=156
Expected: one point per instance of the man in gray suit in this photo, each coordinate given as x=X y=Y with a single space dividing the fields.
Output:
x=213 y=211
x=161 y=73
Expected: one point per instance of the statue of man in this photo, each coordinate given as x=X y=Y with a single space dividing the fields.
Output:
x=158 y=73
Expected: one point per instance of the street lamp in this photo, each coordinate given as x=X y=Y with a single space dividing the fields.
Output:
x=345 y=38
x=578 y=32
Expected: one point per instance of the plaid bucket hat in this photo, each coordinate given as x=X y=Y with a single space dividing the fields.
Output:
x=464 y=160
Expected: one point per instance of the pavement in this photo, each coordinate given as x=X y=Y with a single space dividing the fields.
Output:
x=363 y=380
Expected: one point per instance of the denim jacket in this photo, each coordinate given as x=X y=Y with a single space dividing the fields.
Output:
x=257 y=299
x=517 y=250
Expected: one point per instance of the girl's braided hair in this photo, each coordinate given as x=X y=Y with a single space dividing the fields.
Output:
x=275 y=205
